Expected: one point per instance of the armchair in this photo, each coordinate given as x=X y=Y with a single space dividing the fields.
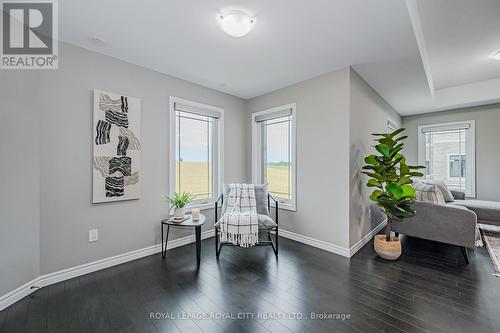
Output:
x=266 y=224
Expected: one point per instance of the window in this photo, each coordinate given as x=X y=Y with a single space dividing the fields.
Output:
x=448 y=151
x=195 y=150
x=456 y=166
x=274 y=153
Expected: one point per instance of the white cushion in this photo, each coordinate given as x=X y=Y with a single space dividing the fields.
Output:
x=428 y=193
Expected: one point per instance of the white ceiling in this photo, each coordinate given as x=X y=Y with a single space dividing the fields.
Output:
x=292 y=40
x=452 y=68
x=460 y=35
x=421 y=56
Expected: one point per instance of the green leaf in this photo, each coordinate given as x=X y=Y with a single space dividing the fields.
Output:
x=396 y=132
x=371 y=159
x=383 y=149
x=374 y=175
x=405 y=180
x=403 y=169
x=416 y=174
x=395 y=190
x=375 y=194
x=387 y=141
x=408 y=191
x=416 y=167
x=396 y=149
x=373 y=183
x=403 y=159
x=401 y=138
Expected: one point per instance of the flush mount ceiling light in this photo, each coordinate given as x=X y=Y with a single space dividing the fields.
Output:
x=495 y=55
x=236 y=23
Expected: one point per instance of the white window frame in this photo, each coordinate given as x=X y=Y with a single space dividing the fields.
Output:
x=470 y=150
x=218 y=160
x=257 y=156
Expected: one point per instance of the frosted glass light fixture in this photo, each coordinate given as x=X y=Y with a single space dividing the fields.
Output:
x=236 y=23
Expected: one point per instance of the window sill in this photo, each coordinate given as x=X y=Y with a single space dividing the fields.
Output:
x=201 y=206
x=289 y=207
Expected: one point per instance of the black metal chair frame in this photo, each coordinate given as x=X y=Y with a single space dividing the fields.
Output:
x=274 y=244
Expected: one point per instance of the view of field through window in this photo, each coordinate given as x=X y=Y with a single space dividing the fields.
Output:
x=194 y=155
x=277 y=157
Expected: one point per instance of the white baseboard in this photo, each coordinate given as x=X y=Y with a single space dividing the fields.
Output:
x=355 y=248
x=69 y=273
x=343 y=251
x=66 y=274
x=17 y=294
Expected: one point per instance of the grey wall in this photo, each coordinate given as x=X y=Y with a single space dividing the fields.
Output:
x=55 y=114
x=19 y=179
x=368 y=114
x=487 y=143
x=322 y=155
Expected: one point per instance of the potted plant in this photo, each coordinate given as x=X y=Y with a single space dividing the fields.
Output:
x=392 y=179
x=179 y=202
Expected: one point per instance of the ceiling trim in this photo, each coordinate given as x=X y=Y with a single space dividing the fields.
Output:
x=419 y=35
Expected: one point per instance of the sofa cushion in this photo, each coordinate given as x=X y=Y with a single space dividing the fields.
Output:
x=445 y=191
x=485 y=210
x=265 y=222
x=260 y=198
x=428 y=193
x=451 y=204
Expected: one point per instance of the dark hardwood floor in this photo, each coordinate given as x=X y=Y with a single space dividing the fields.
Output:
x=427 y=290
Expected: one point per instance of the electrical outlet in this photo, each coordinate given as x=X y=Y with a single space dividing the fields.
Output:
x=93 y=235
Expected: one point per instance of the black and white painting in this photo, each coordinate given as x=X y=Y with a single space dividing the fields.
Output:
x=117 y=147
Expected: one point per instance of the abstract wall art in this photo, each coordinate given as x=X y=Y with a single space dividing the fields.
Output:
x=117 y=147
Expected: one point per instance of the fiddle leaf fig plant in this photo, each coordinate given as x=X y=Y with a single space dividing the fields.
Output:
x=391 y=178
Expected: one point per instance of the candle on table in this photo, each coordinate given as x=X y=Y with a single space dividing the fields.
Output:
x=195 y=214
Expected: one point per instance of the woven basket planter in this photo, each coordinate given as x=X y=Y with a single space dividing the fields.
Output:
x=387 y=250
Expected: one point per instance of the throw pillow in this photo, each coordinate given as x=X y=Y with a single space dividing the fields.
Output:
x=447 y=195
x=428 y=193
x=260 y=198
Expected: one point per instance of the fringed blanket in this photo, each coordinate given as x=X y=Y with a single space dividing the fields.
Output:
x=239 y=224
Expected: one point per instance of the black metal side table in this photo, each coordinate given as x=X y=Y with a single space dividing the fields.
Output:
x=187 y=223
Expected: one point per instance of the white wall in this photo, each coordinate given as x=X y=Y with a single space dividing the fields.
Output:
x=368 y=114
x=19 y=179
x=322 y=155
x=487 y=143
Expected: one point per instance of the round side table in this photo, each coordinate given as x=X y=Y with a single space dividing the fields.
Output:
x=189 y=223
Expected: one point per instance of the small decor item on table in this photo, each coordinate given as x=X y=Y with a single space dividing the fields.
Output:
x=394 y=192
x=195 y=214
x=179 y=201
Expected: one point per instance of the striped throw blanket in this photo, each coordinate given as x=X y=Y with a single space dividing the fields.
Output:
x=239 y=223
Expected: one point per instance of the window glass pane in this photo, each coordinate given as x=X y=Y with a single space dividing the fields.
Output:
x=194 y=155
x=445 y=157
x=457 y=165
x=277 y=157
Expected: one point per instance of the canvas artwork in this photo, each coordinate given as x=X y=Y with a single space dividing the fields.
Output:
x=117 y=147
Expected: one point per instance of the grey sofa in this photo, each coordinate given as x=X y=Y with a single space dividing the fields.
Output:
x=453 y=223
